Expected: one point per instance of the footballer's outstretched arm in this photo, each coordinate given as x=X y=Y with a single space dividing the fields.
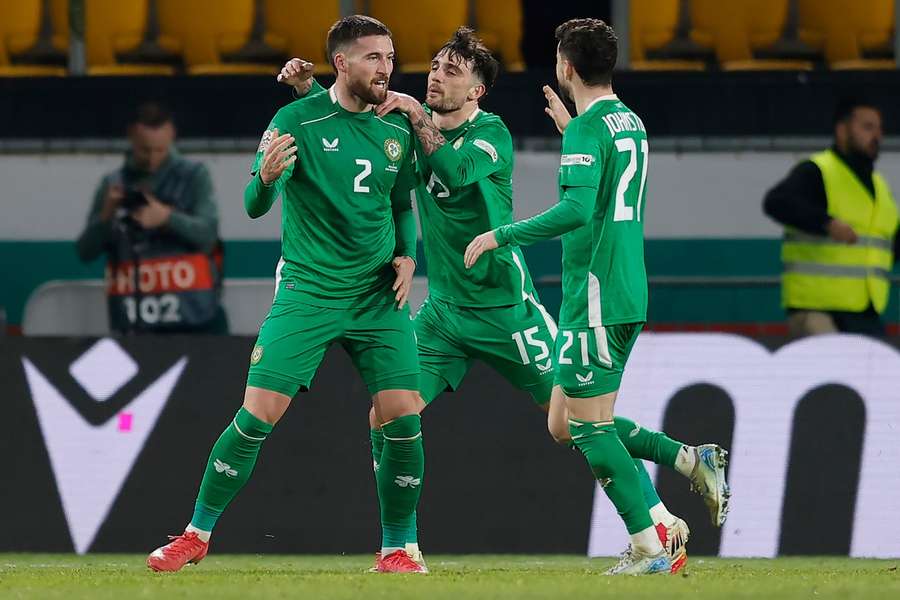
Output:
x=486 y=151
x=573 y=211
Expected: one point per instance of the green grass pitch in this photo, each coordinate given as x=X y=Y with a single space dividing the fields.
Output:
x=119 y=576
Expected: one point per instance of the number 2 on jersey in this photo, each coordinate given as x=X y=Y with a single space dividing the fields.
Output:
x=357 y=181
x=623 y=211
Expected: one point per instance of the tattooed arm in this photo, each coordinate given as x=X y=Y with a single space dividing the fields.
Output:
x=427 y=132
x=429 y=135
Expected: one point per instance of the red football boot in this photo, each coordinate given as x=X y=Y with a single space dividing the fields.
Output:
x=399 y=562
x=183 y=549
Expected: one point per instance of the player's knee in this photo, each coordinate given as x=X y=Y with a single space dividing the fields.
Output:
x=265 y=405
x=560 y=435
x=393 y=404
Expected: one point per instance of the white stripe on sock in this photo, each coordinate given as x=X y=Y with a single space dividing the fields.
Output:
x=249 y=437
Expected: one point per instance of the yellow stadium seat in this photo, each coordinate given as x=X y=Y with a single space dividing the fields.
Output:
x=419 y=33
x=736 y=28
x=499 y=24
x=202 y=31
x=306 y=41
x=653 y=25
x=59 y=20
x=845 y=30
x=112 y=27
x=20 y=27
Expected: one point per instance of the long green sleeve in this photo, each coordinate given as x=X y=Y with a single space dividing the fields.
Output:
x=259 y=197
x=315 y=89
x=405 y=224
x=401 y=203
x=573 y=211
x=484 y=154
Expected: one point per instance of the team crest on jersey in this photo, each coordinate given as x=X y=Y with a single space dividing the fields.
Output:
x=458 y=143
x=256 y=355
x=393 y=149
x=266 y=140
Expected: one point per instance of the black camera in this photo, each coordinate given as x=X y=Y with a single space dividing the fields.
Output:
x=134 y=198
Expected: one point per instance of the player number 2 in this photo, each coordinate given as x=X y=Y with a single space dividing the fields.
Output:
x=623 y=211
x=521 y=337
x=366 y=171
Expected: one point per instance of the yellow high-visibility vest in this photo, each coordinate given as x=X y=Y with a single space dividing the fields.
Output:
x=823 y=274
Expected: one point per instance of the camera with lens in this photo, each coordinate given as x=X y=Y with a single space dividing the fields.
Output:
x=134 y=198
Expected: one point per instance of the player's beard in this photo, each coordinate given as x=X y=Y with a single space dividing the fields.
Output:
x=565 y=89
x=368 y=92
x=446 y=105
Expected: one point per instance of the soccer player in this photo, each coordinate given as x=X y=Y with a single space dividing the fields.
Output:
x=466 y=157
x=602 y=179
x=348 y=242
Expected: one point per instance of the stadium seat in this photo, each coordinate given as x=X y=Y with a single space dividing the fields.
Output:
x=845 y=31
x=306 y=41
x=112 y=27
x=734 y=30
x=653 y=25
x=499 y=24
x=20 y=28
x=59 y=21
x=202 y=32
x=419 y=33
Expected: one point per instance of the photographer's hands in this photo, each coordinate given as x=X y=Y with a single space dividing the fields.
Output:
x=152 y=215
x=111 y=199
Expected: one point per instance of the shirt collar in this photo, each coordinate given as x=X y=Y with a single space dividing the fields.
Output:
x=600 y=99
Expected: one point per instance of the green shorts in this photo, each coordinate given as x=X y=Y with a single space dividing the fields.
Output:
x=590 y=361
x=515 y=340
x=294 y=337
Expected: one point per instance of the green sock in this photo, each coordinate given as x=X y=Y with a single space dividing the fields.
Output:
x=614 y=469
x=230 y=464
x=651 y=497
x=399 y=478
x=377 y=437
x=647 y=444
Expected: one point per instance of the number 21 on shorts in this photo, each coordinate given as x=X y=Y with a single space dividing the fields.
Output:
x=583 y=350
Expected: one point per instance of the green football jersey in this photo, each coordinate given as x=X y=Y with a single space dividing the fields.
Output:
x=468 y=190
x=602 y=183
x=353 y=177
x=604 y=278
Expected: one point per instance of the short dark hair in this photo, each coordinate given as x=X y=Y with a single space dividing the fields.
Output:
x=350 y=29
x=151 y=114
x=591 y=46
x=846 y=105
x=468 y=47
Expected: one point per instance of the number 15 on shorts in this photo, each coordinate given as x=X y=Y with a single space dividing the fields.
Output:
x=527 y=343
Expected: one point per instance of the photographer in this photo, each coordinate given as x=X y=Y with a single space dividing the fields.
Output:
x=156 y=220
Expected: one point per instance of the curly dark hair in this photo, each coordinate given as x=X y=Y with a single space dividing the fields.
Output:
x=591 y=46
x=352 y=28
x=468 y=47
